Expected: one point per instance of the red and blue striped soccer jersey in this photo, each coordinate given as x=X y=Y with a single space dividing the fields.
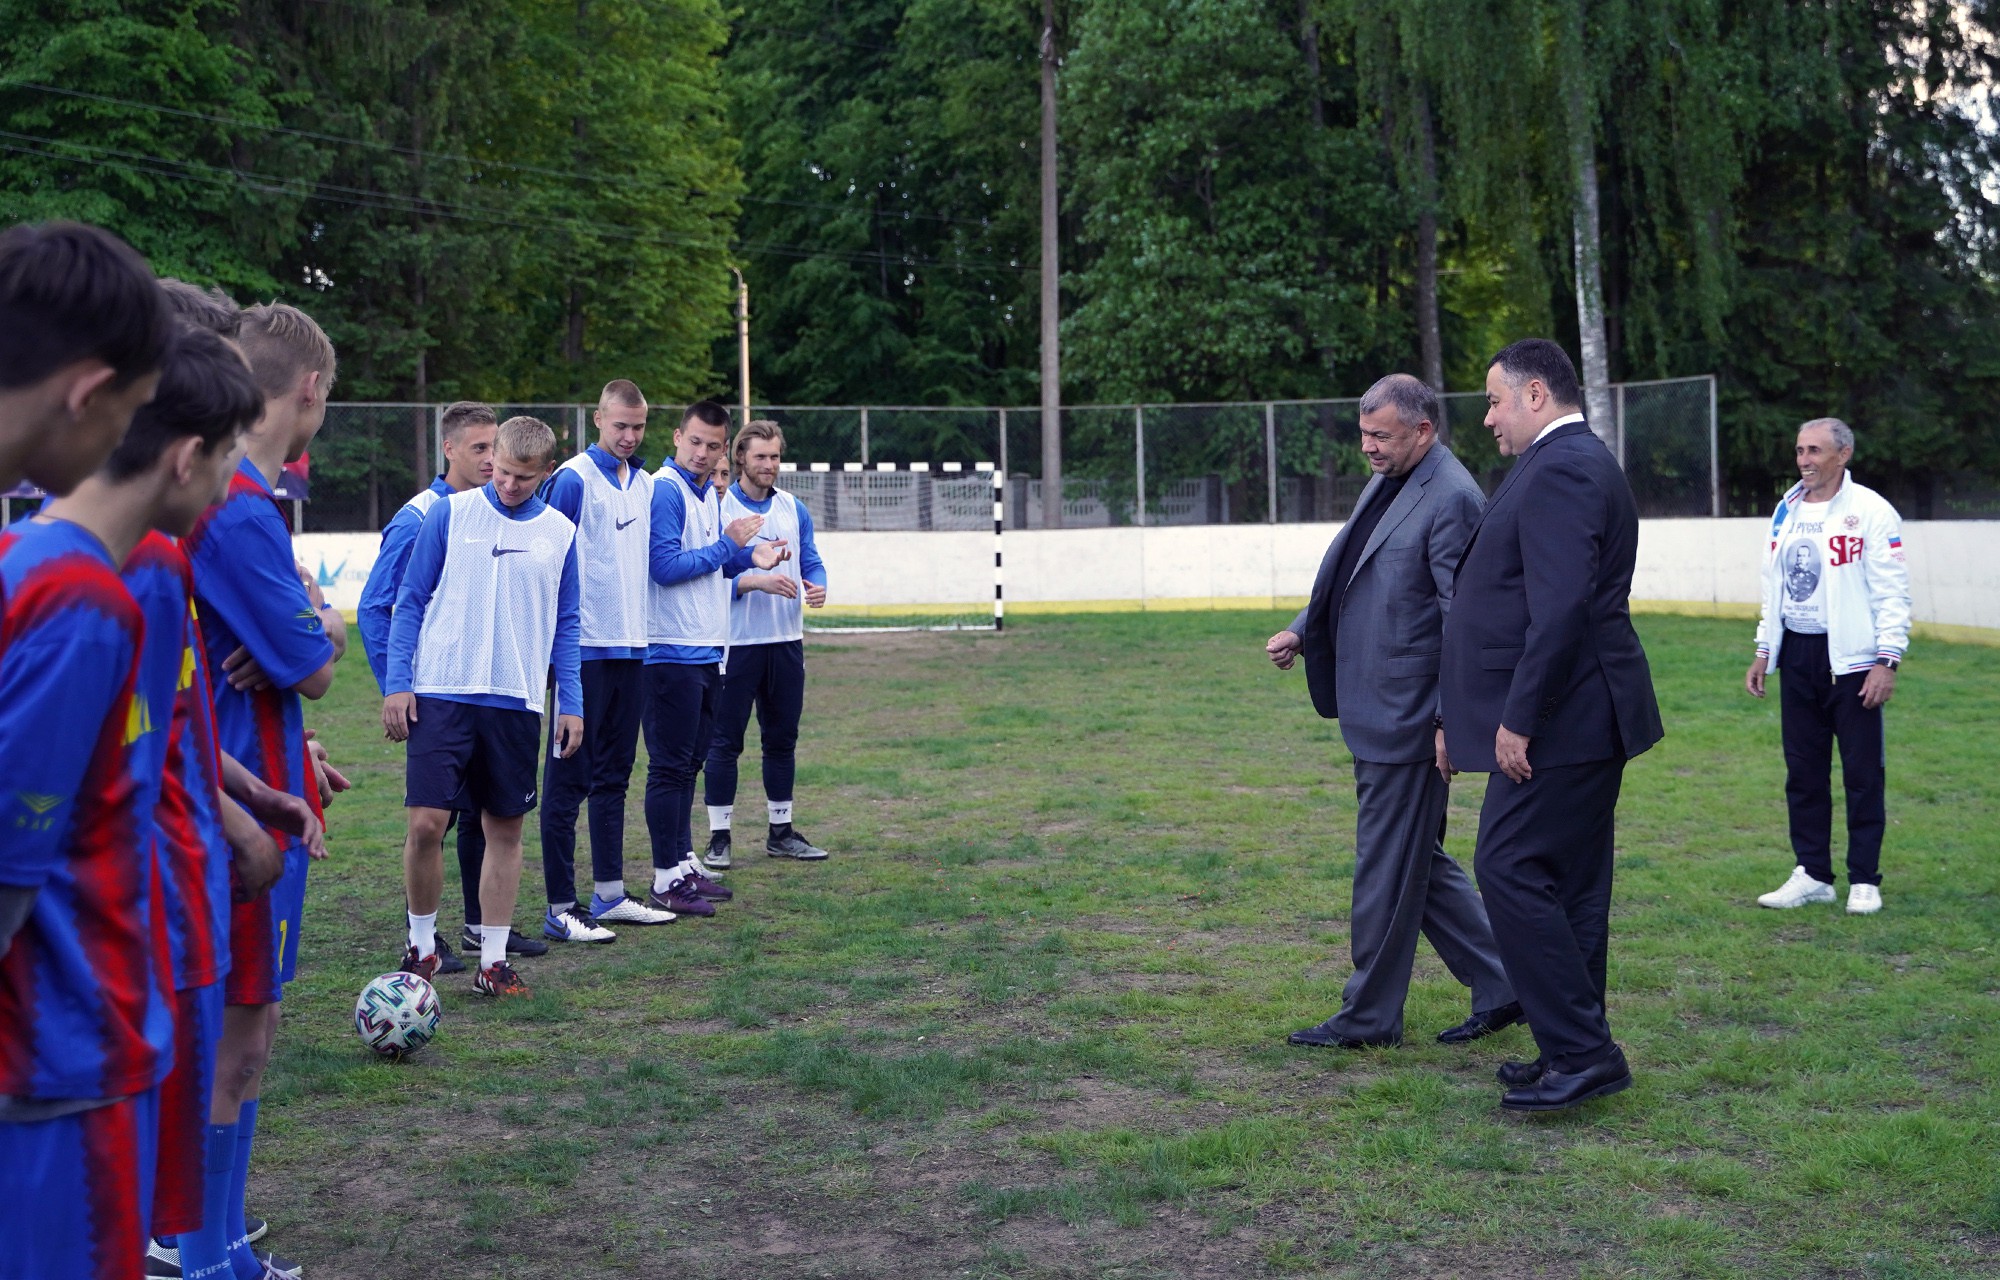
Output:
x=83 y=1013
x=248 y=593
x=173 y=682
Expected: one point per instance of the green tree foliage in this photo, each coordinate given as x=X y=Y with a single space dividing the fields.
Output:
x=890 y=233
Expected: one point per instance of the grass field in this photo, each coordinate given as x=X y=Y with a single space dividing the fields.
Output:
x=1028 y=1021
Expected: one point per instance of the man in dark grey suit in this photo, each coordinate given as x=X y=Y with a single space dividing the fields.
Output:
x=1545 y=687
x=1370 y=637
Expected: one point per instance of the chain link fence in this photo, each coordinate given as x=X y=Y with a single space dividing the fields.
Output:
x=885 y=467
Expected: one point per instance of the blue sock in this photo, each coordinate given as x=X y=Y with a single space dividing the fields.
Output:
x=240 y=1257
x=205 y=1253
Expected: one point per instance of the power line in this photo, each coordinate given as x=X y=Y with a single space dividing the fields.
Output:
x=419 y=153
x=298 y=187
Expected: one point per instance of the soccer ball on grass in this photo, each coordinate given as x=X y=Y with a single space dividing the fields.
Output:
x=397 y=1014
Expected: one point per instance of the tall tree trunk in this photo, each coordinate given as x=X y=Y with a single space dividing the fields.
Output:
x=1430 y=344
x=1316 y=107
x=1589 y=257
x=1052 y=487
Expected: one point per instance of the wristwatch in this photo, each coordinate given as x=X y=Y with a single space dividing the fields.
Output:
x=1891 y=663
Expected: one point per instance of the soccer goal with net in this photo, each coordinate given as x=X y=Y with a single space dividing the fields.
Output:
x=932 y=560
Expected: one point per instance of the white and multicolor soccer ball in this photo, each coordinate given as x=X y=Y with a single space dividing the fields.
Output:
x=397 y=1014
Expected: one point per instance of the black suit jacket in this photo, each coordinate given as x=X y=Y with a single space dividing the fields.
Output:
x=1539 y=637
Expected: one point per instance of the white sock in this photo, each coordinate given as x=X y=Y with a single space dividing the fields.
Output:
x=492 y=944
x=781 y=811
x=664 y=876
x=423 y=934
x=609 y=890
x=719 y=816
x=557 y=908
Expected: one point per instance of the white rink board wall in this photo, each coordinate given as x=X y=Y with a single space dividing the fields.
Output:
x=1954 y=566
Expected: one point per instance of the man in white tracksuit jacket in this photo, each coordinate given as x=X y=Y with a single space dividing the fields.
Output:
x=1836 y=622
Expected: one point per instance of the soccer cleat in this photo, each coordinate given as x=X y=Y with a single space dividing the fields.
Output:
x=627 y=910
x=1863 y=899
x=254 y=1227
x=574 y=925
x=499 y=980
x=716 y=856
x=1797 y=892
x=425 y=967
x=713 y=890
x=163 y=1261
x=447 y=963
x=518 y=944
x=283 y=1268
x=784 y=842
x=681 y=899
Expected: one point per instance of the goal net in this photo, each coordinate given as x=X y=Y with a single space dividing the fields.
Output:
x=926 y=555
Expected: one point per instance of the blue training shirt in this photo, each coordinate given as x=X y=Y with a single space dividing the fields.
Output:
x=420 y=582
x=564 y=492
x=378 y=597
x=670 y=564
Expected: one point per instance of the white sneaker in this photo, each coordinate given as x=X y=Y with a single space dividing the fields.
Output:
x=1863 y=899
x=628 y=910
x=574 y=925
x=1797 y=891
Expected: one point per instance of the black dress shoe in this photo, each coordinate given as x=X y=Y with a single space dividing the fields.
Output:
x=1324 y=1037
x=1517 y=1075
x=1561 y=1090
x=1482 y=1024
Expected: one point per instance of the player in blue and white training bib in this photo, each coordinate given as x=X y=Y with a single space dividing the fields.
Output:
x=767 y=659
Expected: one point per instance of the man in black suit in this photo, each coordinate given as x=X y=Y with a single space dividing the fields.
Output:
x=1369 y=637
x=1545 y=687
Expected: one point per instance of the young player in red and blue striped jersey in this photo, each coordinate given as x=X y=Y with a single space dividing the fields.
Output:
x=84 y=1027
x=173 y=464
x=269 y=646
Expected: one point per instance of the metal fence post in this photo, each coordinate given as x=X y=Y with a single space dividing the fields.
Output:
x=437 y=440
x=1270 y=463
x=1714 y=456
x=579 y=428
x=864 y=435
x=1139 y=455
x=1618 y=417
x=1003 y=442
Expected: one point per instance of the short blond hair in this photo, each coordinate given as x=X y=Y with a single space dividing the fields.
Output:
x=282 y=344
x=621 y=391
x=756 y=429
x=526 y=439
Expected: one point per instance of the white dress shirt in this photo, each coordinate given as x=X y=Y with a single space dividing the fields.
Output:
x=1559 y=422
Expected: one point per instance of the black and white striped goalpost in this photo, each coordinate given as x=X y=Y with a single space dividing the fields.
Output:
x=999 y=523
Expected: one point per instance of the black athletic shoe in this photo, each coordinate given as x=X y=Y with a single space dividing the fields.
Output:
x=447 y=963
x=784 y=842
x=255 y=1228
x=716 y=856
x=518 y=943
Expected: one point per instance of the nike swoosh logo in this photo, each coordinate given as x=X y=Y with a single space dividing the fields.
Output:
x=623 y=523
x=509 y=551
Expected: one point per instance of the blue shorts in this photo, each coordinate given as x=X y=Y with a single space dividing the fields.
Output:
x=184 y=1099
x=462 y=756
x=76 y=1193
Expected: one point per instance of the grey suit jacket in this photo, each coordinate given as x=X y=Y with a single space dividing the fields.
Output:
x=1382 y=684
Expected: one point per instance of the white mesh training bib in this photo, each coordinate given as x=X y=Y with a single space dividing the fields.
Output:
x=757 y=617
x=694 y=612
x=491 y=625
x=613 y=539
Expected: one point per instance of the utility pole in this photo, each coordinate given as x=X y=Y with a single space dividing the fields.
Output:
x=743 y=341
x=1052 y=488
